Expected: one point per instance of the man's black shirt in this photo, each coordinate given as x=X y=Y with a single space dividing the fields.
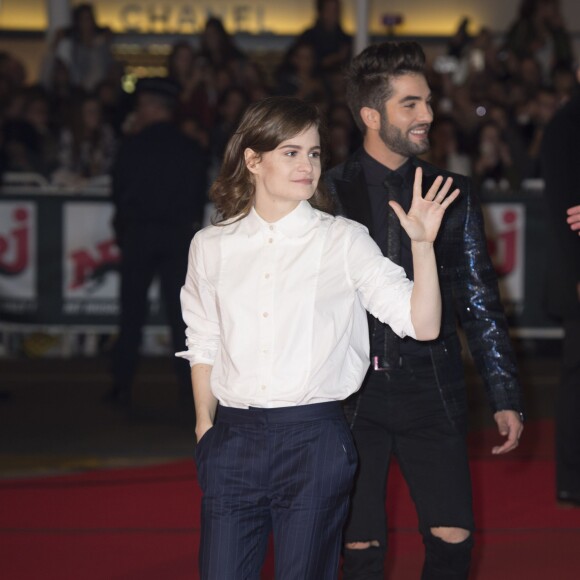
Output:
x=375 y=176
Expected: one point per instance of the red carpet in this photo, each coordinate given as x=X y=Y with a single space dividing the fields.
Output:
x=143 y=523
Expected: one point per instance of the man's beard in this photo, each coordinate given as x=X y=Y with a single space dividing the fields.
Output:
x=394 y=139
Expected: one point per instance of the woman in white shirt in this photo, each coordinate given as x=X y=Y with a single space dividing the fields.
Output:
x=274 y=301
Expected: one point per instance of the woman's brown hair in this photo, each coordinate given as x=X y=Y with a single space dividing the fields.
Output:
x=264 y=125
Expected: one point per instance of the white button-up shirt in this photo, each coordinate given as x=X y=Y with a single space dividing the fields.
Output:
x=279 y=309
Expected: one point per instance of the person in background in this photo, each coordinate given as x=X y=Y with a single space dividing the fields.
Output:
x=12 y=69
x=564 y=83
x=338 y=144
x=298 y=75
x=560 y=169
x=87 y=146
x=339 y=114
x=180 y=63
x=63 y=96
x=219 y=49
x=36 y=112
x=158 y=190
x=180 y=69
x=493 y=165
x=195 y=77
x=276 y=333
x=543 y=107
x=230 y=109
x=84 y=47
x=540 y=33
x=332 y=46
x=413 y=402
x=445 y=149
x=29 y=142
x=255 y=82
x=114 y=104
x=21 y=147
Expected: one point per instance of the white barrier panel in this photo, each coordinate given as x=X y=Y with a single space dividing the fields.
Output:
x=505 y=228
x=59 y=265
x=18 y=257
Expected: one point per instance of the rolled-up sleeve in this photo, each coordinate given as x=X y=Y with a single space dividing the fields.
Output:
x=198 y=306
x=383 y=286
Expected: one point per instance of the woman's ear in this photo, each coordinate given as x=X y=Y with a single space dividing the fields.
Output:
x=371 y=118
x=252 y=159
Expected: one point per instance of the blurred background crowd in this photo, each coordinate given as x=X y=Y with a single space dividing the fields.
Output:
x=493 y=95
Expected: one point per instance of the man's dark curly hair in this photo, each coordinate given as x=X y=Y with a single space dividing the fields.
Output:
x=369 y=74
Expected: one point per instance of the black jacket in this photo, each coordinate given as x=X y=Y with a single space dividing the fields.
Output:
x=560 y=159
x=159 y=179
x=469 y=291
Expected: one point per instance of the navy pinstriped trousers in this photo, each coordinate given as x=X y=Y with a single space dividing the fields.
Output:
x=287 y=470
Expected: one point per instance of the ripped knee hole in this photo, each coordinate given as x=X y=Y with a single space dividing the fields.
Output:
x=362 y=545
x=451 y=535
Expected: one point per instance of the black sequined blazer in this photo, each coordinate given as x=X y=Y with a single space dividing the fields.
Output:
x=468 y=287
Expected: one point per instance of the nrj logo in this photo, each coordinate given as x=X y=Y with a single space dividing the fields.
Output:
x=91 y=265
x=15 y=243
x=503 y=247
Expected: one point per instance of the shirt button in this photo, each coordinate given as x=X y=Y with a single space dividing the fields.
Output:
x=270 y=240
x=265 y=314
x=266 y=276
x=263 y=387
x=271 y=228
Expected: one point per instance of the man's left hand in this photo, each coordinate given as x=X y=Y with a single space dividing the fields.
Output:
x=509 y=424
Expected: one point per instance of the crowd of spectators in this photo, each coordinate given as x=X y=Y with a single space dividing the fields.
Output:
x=492 y=95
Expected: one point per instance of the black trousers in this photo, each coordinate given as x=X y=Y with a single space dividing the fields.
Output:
x=287 y=470
x=568 y=413
x=149 y=251
x=401 y=413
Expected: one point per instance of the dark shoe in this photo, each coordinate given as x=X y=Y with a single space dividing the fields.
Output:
x=368 y=563
x=568 y=499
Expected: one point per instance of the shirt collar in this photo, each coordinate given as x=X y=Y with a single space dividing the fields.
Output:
x=376 y=173
x=298 y=222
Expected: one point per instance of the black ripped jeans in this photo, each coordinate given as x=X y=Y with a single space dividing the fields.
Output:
x=400 y=412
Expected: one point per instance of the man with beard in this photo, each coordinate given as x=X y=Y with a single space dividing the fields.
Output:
x=413 y=401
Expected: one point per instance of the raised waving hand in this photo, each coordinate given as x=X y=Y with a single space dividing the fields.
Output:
x=423 y=220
